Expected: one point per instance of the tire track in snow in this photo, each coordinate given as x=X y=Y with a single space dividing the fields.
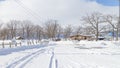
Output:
x=24 y=60
x=28 y=60
x=53 y=61
x=56 y=63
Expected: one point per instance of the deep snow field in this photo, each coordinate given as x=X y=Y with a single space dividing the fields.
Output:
x=63 y=54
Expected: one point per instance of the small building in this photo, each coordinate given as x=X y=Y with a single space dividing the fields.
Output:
x=18 y=38
x=81 y=37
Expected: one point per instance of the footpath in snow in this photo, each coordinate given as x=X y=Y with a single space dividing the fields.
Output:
x=63 y=54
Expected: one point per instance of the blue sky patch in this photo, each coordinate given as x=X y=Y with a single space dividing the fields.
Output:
x=2 y=0
x=107 y=2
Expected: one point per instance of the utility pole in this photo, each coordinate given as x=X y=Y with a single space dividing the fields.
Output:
x=118 y=25
x=119 y=20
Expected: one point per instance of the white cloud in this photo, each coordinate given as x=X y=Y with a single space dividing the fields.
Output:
x=65 y=11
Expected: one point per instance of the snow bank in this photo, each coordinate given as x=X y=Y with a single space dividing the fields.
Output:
x=18 y=49
x=65 y=42
x=99 y=43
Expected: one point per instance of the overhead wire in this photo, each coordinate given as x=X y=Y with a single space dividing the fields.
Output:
x=28 y=10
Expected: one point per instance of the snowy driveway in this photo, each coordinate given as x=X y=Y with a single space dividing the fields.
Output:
x=62 y=55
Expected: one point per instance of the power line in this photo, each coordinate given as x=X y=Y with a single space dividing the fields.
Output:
x=28 y=10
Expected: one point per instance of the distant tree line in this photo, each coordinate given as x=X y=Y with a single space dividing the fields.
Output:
x=94 y=23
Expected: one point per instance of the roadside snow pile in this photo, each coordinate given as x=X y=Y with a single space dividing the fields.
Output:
x=65 y=42
x=18 y=49
x=99 y=43
x=92 y=44
x=52 y=43
x=99 y=47
x=117 y=43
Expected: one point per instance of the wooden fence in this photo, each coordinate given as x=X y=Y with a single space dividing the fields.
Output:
x=11 y=44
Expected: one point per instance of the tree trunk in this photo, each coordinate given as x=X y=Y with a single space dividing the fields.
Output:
x=113 y=33
x=97 y=32
x=117 y=35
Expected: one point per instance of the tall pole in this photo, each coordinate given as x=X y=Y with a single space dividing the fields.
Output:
x=118 y=25
x=119 y=14
x=119 y=20
x=119 y=11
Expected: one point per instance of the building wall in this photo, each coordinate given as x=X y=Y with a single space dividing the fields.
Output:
x=80 y=37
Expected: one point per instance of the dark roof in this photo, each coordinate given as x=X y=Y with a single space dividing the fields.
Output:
x=81 y=35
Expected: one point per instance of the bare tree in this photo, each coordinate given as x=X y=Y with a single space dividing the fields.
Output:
x=51 y=28
x=79 y=30
x=28 y=28
x=89 y=30
x=4 y=33
x=95 y=19
x=38 y=32
x=112 y=20
x=59 y=31
x=12 y=27
x=22 y=29
x=68 y=31
x=1 y=25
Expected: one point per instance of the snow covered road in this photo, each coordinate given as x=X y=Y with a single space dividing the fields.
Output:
x=63 y=54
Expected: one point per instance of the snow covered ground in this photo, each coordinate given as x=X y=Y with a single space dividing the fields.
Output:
x=63 y=54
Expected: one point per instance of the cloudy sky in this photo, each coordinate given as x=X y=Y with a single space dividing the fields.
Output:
x=65 y=11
